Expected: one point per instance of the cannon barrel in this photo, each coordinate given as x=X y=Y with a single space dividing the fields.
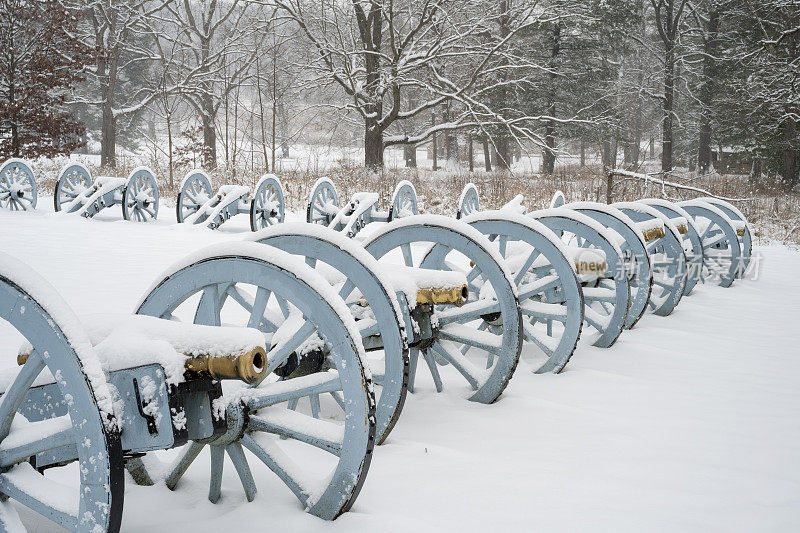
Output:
x=682 y=229
x=248 y=367
x=457 y=295
x=653 y=234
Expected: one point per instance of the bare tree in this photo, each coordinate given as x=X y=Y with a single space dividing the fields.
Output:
x=378 y=51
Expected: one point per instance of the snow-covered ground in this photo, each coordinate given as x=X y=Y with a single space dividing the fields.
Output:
x=689 y=423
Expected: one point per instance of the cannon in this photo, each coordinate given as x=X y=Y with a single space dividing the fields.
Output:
x=18 y=190
x=198 y=204
x=76 y=192
x=101 y=391
x=600 y=295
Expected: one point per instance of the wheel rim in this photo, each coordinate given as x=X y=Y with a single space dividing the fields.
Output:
x=323 y=203
x=720 y=257
x=468 y=203
x=360 y=277
x=18 y=190
x=667 y=259
x=404 y=201
x=323 y=462
x=96 y=503
x=746 y=240
x=73 y=181
x=195 y=191
x=267 y=207
x=438 y=244
x=606 y=299
x=140 y=201
x=634 y=255
x=692 y=246
x=547 y=286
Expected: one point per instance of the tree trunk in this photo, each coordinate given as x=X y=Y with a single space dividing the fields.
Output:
x=410 y=155
x=583 y=152
x=470 y=154
x=373 y=145
x=789 y=166
x=501 y=152
x=706 y=93
x=549 y=153
x=209 y=135
x=755 y=173
x=487 y=156
x=107 y=68
x=669 y=105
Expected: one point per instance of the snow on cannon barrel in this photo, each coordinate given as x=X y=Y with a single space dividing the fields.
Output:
x=247 y=366
x=76 y=192
x=18 y=190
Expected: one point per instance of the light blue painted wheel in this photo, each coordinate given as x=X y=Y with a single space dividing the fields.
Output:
x=380 y=321
x=18 y=190
x=85 y=499
x=548 y=290
x=745 y=240
x=195 y=191
x=692 y=246
x=267 y=207
x=404 y=201
x=721 y=249
x=667 y=259
x=312 y=420
x=323 y=202
x=72 y=182
x=606 y=294
x=140 y=200
x=558 y=199
x=492 y=314
x=468 y=202
x=634 y=254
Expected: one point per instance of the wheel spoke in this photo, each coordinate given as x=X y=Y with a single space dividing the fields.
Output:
x=293 y=425
x=470 y=372
x=236 y=453
x=277 y=461
x=280 y=352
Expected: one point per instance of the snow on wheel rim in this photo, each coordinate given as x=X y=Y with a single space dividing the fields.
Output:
x=322 y=462
x=267 y=207
x=446 y=244
x=692 y=246
x=358 y=274
x=548 y=290
x=404 y=201
x=468 y=202
x=93 y=500
x=73 y=180
x=323 y=202
x=667 y=258
x=194 y=192
x=140 y=200
x=745 y=239
x=721 y=257
x=634 y=254
x=558 y=199
x=18 y=189
x=606 y=293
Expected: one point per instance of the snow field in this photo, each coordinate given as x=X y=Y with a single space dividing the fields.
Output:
x=687 y=423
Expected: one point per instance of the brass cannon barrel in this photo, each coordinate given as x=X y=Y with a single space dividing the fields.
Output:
x=248 y=367
x=654 y=233
x=457 y=295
